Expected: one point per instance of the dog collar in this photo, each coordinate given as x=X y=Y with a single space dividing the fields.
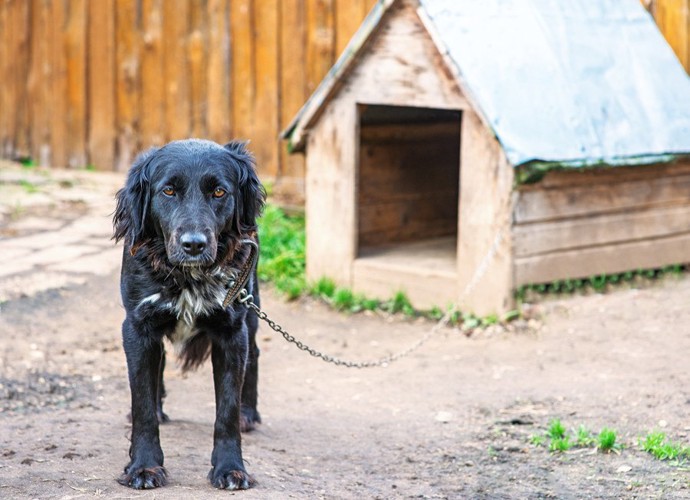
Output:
x=238 y=282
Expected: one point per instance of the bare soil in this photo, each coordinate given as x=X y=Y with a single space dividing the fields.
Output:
x=453 y=420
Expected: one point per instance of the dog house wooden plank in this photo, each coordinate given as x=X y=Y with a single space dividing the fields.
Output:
x=598 y=198
x=485 y=258
x=564 y=178
x=405 y=48
x=614 y=258
x=570 y=234
x=330 y=225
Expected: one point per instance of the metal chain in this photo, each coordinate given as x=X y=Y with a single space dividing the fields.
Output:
x=248 y=301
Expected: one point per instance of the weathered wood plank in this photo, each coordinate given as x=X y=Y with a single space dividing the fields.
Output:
x=58 y=87
x=265 y=133
x=197 y=58
x=243 y=69
x=349 y=14
x=320 y=40
x=425 y=271
x=596 y=198
x=614 y=258
x=20 y=22
x=7 y=88
x=559 y=179
x=101 y=70
x=76 y=119
x=409 y=132
x=128 y=90
x=418 y=219
x=293 y=93
x=547 y=237
x=39 y=73
x=331 y=226
x=152 y=103
x=218 y=112
x=402 y=66
x=177 y=93
x=485 y=256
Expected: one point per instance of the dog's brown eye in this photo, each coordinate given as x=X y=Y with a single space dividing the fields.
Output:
x=219 y=193
x=168 y=191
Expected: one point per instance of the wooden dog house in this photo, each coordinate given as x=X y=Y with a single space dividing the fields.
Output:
x=459 y=149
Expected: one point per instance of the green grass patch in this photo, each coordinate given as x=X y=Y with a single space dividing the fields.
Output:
x=558 y=439
x=598 y=283
x=656 y=444
x=282 y=263
x=606 y=440
x=282 y=251
x=28 y=186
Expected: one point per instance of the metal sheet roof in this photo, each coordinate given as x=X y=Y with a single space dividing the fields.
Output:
x=577 y=82
x=572 y=83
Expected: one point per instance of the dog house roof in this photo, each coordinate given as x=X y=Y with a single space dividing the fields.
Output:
x=570 y=83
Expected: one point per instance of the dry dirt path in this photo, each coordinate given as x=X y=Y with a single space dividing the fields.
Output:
x=451 y=421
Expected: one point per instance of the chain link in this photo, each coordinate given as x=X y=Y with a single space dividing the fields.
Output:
x=385 y=361
x=248 y=301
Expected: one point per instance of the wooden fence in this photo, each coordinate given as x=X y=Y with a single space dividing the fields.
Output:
x=91 y=82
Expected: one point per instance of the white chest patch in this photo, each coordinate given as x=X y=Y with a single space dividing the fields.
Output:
x=192 y=303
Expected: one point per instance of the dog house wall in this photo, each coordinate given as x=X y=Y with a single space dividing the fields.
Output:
x=381 y=76
x=574 y=223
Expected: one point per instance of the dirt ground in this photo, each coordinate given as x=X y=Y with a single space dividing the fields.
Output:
x=453 y=420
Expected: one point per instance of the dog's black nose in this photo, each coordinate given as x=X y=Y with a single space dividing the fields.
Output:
x=193 y=243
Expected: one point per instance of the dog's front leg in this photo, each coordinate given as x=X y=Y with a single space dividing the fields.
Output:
x=229 y=358
x=145 y=469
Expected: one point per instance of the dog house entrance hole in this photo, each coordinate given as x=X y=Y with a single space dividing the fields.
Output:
x=408 y=187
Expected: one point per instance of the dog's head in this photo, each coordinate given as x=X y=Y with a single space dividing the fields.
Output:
x=195 y=196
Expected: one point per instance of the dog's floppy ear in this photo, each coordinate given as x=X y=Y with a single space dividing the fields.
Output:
x=250 y=193
x=133 y=202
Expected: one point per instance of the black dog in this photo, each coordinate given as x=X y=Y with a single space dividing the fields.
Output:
x=183 y=213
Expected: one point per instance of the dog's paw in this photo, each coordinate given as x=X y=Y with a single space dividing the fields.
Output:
x=144 y=478
x=231 y=480
x=249 y=417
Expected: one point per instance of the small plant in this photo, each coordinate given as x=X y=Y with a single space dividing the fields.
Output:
x=343 y=299
x=28 y=186
x=584 y=437
x=606 y=440
x=470 y=321
x=537 y=439
x=489 y=320
x=400 y=303
x=28 y=163
x=556 y=429
x=656 y=444
x=561 y=444
x=324 y=288
x=598 y=283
